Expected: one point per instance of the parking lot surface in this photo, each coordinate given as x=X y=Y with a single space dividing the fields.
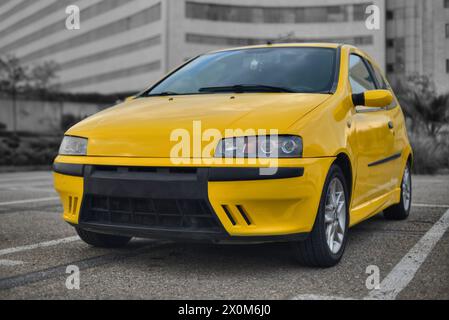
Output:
x=36 y=247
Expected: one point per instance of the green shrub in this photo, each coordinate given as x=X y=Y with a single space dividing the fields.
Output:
x=28 y=151
x=430 y=155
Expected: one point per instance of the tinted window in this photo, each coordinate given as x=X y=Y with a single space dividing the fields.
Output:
x=380 y=79
x=309 y=70
x=359 y=76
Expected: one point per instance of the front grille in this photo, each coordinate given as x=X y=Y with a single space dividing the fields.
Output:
x=175 y=214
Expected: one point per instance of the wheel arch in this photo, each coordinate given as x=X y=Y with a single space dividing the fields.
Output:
x=345 y=164
x=410 y=159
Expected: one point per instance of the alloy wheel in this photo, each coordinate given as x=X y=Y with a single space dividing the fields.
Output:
x=406 y=189
x=335 y=216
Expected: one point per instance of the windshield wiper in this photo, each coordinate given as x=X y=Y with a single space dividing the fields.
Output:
x=163 y=94
x=246 y=88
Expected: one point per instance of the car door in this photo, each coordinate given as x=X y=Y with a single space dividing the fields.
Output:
x=375 y=143
x=398 y=124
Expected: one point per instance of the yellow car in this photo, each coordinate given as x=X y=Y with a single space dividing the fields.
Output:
x=288 y=142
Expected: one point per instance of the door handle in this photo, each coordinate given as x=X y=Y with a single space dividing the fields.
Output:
x=391 y=125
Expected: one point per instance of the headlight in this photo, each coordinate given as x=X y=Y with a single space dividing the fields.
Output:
x=73 y=146
x=260 y=147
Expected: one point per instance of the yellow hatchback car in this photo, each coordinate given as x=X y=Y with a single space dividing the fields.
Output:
x=288 y=143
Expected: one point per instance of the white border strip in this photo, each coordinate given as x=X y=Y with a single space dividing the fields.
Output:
x=316 y=297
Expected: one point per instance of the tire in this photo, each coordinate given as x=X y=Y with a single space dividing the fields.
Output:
x=102 y=240
x=315 y=251
x=402 y=210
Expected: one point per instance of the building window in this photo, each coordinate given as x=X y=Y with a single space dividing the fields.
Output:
x=360 y=11
x=390 y=68
x=390 y=43
x=390 y=15
x=447 y=65
x=447 y=30
x=234 y=41
x=249 y=14
x=446 y=4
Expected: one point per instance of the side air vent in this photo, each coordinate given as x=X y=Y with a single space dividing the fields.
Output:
x=73 y=205
x=244 y=214
x=229 y=214
x=236 y=213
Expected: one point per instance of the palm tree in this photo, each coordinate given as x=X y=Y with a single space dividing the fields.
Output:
x=426 y=108
x=431 y=112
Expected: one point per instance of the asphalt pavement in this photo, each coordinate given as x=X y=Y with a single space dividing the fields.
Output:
x=411 y=258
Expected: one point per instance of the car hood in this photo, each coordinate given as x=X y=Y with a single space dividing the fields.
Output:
x=143 y=127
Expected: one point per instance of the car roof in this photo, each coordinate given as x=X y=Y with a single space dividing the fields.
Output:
x=284 y=45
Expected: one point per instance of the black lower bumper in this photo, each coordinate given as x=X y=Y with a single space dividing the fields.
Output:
x=186 y=236
x=168 y=203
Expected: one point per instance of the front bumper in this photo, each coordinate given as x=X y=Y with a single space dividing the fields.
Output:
x=154 y=199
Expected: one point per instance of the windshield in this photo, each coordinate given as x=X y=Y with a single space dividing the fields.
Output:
x=282 y=69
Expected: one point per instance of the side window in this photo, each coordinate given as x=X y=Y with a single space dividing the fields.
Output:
x=380 y=79
x=359 y=75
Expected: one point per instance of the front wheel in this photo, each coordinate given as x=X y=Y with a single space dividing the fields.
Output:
x=327 y=242
x=102 y=240
x=402 y=210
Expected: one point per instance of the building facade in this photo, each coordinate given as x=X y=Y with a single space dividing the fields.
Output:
x=418 y=40
x=126 y=45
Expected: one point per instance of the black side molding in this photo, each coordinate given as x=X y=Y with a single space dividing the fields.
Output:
x=392 y=158
x=251 y=174
x=75 y=170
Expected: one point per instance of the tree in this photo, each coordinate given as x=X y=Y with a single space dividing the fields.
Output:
x=427 y=109
x=43 y=78
x=14 y=79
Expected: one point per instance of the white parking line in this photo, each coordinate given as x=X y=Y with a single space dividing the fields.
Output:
x=27 y=184
x=10 y=263
x=425 y=205
x=26 y=179
x=32 y=189
x=28 y=201
x=404 y=272
x=39 y=245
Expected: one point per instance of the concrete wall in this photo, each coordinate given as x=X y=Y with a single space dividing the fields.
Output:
x=43 y=116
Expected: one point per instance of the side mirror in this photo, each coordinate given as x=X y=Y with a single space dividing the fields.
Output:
x=373 y=99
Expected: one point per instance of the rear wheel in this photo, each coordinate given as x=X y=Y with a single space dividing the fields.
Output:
x=102 y=240
x=327 y=242
x=401 y=211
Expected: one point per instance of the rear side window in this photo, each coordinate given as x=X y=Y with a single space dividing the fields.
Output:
x=359 y=75
x=380 y=79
